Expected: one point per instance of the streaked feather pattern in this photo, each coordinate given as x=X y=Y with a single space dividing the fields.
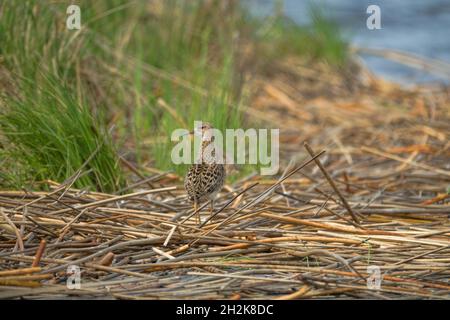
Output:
x=204 y=180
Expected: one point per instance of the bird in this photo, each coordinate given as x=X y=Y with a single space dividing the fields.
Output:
x=206 y=177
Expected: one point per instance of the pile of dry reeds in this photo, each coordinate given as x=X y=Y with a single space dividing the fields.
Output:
x=369 y=198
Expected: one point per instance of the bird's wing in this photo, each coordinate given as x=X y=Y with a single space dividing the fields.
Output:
x=204 y=179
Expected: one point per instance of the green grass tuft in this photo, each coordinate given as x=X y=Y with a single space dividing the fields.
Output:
x=51 y=135
x=145 y=68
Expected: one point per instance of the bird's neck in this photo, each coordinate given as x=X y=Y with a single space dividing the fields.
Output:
x=207 y=153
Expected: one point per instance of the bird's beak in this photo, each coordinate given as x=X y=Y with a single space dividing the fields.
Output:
x=188 y=134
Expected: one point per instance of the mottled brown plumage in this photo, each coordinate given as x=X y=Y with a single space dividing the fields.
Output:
x=203 y=181
x=206 y=178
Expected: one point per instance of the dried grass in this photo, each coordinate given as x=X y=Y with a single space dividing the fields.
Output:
x=386 y=152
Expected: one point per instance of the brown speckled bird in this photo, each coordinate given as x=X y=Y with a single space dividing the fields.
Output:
x=205 y=178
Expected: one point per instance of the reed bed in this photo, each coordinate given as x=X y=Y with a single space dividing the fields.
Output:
x=311 y=233
x=369 y=192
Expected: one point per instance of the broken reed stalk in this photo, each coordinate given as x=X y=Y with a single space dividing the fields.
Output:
x=331 y=182
x=39 y=253
x=14 y=228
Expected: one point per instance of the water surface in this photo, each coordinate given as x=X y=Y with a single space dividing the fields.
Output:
x=420 y=27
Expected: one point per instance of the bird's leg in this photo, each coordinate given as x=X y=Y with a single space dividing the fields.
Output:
x=212 y=207
x=198 y=213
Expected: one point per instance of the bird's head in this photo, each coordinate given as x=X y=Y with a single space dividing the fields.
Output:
x=204 y=130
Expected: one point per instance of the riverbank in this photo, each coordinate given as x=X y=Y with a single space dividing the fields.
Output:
x=368 y=191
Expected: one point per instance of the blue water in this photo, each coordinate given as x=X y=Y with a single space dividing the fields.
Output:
x=420 y=27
